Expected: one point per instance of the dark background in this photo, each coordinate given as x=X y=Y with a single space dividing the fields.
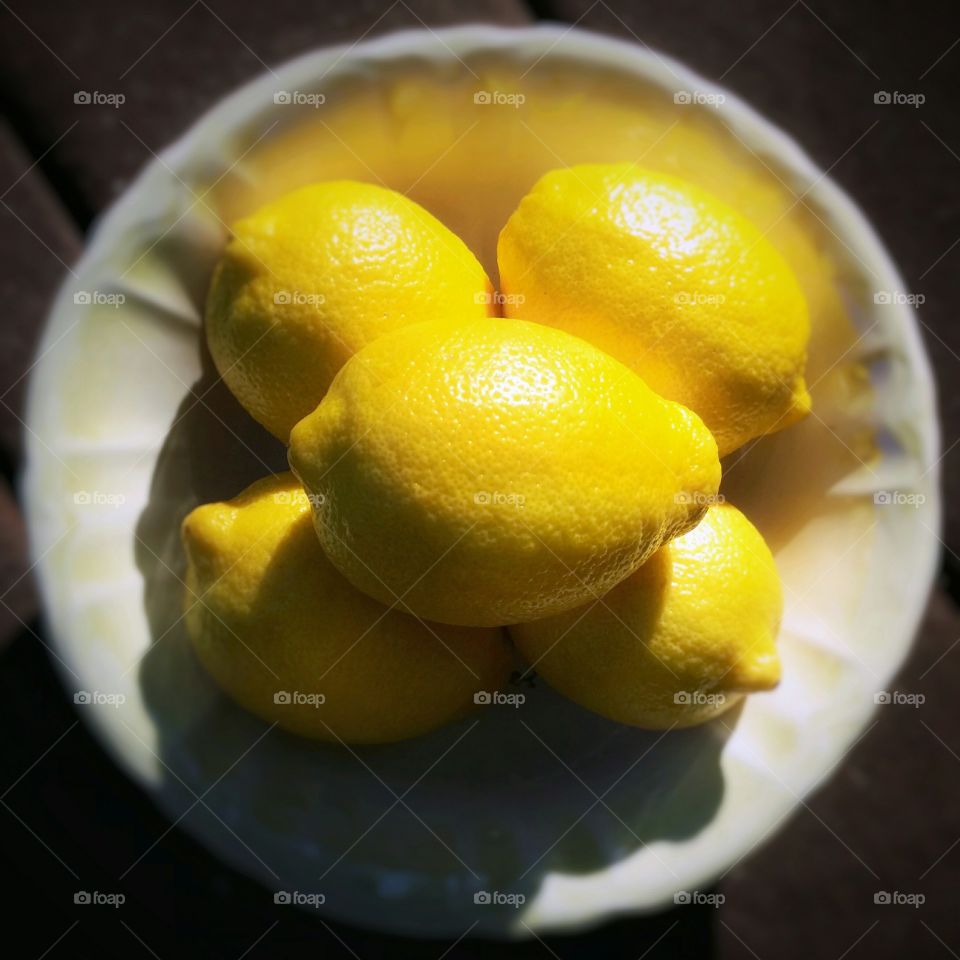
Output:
x=889 y=818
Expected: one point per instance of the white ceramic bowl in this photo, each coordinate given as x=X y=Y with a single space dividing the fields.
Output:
x=577 y=817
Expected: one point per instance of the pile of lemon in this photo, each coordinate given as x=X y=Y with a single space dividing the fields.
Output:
x=469 y=488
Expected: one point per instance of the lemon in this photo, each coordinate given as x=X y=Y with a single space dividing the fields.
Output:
x=309 y=279
x=678 y=642
x=488 y=472
x=290 y=640
x=672 y=282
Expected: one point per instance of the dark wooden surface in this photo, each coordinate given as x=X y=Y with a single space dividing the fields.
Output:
x=888 y=820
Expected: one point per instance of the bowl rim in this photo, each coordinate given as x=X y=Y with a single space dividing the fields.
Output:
x=575 y=43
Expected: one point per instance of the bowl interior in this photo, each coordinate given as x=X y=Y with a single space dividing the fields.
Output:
x=566 y=816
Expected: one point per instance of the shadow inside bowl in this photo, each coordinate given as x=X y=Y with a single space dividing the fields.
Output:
x=493 y=803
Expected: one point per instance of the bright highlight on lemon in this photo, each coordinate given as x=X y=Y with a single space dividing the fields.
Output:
x=677 y=643
x=493 y=471
x=289 y=639
x=671 y=281
x=311 y=278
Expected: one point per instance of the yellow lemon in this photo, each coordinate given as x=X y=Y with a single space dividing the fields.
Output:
x=290 y=640
x=672 y=282
x=678 y=642
x=309 y=279
x=488 y=472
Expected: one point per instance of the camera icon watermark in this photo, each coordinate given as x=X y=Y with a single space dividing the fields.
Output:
x=496 y=898
x=283 y=298
x=87 y=298
x=95 y=898
x=500 y=299
x=899 y=297
x=688 y=897
x=494 y=698
x=94 y=98
x=698 y=298
x=86 y=698
x=698 y=497
x=896 y=98
x=685 y=98
x=297 y=698
x=897 y=498
x=98 y=498
x=289 y=497
x=896 y=898
x=887 y=698
x=296 y=898
x=298 y=98
x=499 y=98
x=497 y=498
x=697 y=698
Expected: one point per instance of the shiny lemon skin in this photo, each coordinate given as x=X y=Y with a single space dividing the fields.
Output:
x=494 y=471
x=670 y=280
x=314 y=276
x=289 y=639
x=678 y=642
